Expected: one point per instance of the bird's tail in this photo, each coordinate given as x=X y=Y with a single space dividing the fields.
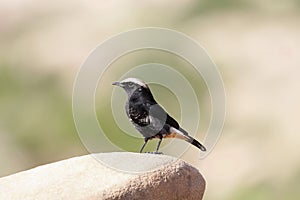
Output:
x=196 y=143
x=182 y=134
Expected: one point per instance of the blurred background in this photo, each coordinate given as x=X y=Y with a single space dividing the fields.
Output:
x=255 y=44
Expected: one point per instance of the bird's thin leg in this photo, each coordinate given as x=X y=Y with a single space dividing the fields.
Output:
x=158 y=144
x=146 y=140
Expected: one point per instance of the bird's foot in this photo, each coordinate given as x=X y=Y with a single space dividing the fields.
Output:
x=155 y=152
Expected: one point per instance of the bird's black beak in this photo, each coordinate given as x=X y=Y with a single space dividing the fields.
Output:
x=116 y=83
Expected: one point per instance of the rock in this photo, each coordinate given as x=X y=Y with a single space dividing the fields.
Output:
x=94 y=177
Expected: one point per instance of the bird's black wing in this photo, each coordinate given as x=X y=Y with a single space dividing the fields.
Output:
x=172 y=122
x=162 y=117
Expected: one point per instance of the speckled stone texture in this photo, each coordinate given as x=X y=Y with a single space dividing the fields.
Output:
x=92 y=177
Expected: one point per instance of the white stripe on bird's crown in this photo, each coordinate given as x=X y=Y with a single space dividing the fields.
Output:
x=136 y=81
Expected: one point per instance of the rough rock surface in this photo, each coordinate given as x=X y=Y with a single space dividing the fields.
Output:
x=94 y=177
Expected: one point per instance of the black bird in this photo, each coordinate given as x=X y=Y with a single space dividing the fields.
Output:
x=149 y=118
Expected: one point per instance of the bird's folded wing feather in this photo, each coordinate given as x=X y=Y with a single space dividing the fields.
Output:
x=172 y=122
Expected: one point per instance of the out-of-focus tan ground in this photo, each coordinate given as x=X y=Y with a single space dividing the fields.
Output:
x=255 y=44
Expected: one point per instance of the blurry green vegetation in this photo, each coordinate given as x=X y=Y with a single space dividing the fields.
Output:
x=36 y=111
x=204 y=7
x=207 y=7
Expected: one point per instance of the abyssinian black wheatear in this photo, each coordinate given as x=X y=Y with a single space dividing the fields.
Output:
x=148 y=117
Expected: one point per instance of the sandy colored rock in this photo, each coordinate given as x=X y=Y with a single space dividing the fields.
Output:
x=94 y=177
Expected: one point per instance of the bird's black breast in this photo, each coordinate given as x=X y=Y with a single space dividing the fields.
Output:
x=138 y=107
x=139 y=114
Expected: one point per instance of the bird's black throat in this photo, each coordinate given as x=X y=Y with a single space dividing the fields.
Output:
x=140 y=95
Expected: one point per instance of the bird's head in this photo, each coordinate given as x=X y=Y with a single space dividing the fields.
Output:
x=131 y=84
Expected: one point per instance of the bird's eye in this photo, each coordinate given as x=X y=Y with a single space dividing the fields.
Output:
x=130 y=84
